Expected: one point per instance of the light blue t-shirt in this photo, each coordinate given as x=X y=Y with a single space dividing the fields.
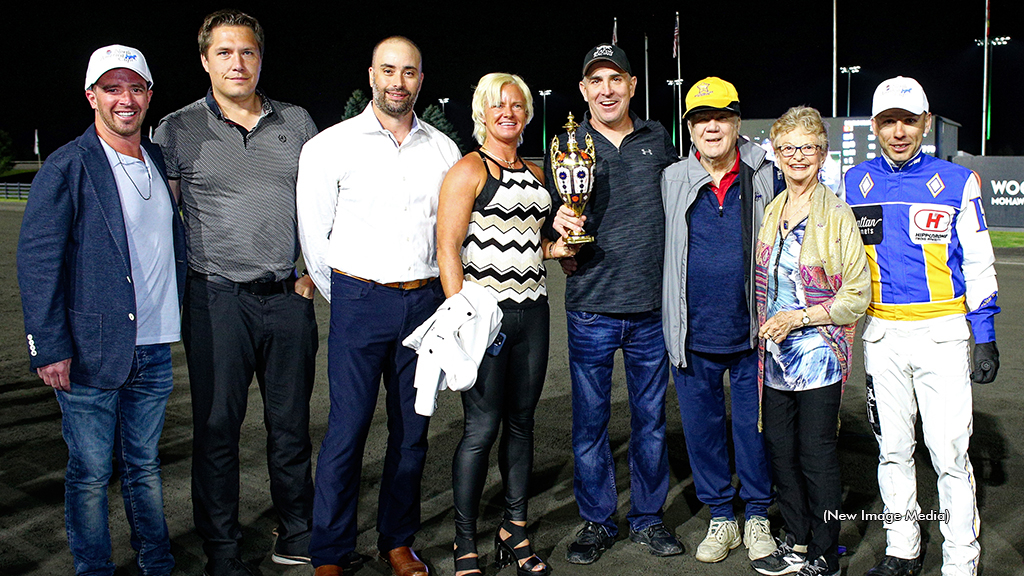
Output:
x=147 y=210
x=804 y=360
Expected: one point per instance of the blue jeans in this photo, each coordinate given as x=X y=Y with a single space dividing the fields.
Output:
x=593 y=340
x=126 y=421
x=702 y=408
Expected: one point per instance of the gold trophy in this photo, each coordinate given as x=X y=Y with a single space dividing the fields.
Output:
x=574 y=176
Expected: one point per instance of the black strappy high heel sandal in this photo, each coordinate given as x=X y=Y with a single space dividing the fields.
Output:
x=464 y=563
x=507 y=553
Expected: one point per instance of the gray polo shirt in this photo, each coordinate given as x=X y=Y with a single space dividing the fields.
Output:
x=237 y=187
x=620 y=273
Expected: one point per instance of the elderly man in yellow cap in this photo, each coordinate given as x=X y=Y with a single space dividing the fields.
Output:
x=714 y=201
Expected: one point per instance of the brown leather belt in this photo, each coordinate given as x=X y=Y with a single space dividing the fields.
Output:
x=410 y=285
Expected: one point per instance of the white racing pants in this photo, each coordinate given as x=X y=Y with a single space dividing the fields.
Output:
x=924 y=365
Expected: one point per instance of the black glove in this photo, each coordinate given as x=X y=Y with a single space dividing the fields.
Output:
x=986 y=362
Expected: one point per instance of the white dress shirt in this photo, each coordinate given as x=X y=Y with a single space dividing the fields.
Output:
x=367 y=206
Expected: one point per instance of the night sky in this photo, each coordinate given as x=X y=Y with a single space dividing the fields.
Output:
x=315 y=56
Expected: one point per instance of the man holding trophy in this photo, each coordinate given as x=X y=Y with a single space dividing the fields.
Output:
x=613 y=301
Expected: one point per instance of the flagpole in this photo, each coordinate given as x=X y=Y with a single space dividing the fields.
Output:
x=647 y=80
x=679 y=78
x=984 y=83
x=835 y=62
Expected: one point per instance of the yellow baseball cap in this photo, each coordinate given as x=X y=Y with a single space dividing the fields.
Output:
x=712 y=93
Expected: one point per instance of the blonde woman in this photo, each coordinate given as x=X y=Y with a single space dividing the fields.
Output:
x=489 y=218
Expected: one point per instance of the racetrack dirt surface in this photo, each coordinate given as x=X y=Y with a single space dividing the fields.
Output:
x=33 y=456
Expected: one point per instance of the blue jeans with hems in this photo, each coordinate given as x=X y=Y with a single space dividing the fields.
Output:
x=125 y=421
x=593 y=340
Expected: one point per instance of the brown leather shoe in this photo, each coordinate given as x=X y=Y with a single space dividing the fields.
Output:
x=329 y=570
x=405 y=562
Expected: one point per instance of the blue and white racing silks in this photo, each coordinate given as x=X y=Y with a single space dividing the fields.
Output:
x=937 y=258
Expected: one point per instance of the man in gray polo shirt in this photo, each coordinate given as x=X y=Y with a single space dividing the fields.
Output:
x=233 y=158
x=613 y=302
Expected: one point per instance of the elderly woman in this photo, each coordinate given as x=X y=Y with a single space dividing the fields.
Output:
x=489 y=218
x=812 y=286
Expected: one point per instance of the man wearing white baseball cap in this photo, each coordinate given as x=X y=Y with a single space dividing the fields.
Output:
x=101 y=268
x=116 y=56
x=933 y=284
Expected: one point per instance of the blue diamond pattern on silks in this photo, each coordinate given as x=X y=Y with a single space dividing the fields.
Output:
x=866 y=184
x=935 y=185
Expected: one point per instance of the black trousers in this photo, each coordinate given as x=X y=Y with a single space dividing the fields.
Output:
x=230 y=336
x=505 y=395
x=801 y=430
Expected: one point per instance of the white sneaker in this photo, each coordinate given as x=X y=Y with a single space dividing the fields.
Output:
x=723 y=535
x=757 y=537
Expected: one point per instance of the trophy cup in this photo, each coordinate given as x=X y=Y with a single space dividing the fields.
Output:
x=573 y=173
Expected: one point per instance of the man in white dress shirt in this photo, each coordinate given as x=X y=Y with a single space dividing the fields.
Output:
x=375 y=176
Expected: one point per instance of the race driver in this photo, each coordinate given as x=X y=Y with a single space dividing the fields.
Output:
x=932 y=275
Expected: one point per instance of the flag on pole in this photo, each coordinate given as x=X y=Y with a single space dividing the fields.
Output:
x=615 y=32
x=675 y=39
x=35 y=149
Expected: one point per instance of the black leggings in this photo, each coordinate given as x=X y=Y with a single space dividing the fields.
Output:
x=507 y=390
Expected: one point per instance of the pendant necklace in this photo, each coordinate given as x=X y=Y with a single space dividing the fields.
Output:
x=785 y=220
x=132 y=180
x=499 y=158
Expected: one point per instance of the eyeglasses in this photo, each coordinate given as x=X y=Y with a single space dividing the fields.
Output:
x=788 y=150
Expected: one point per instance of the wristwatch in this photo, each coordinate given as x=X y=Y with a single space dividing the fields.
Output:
x=805 y=320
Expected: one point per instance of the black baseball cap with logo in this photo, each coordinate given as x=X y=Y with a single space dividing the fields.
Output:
x=607 y=52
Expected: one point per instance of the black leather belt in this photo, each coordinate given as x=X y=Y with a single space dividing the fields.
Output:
x=267 y=288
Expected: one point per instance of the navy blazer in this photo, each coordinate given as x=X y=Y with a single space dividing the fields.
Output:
x=74 y=271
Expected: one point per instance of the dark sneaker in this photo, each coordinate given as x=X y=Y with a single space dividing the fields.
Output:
x=784 y=560
x=229 y=567
x=291 y=553
x=893 y=566
x=660 y=541
x=818 y=568
x=591 y=541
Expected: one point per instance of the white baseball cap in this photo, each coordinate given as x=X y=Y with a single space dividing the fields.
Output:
x=899 y=92
x=114 y=56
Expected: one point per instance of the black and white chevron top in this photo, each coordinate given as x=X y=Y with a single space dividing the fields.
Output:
x=502 y=250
